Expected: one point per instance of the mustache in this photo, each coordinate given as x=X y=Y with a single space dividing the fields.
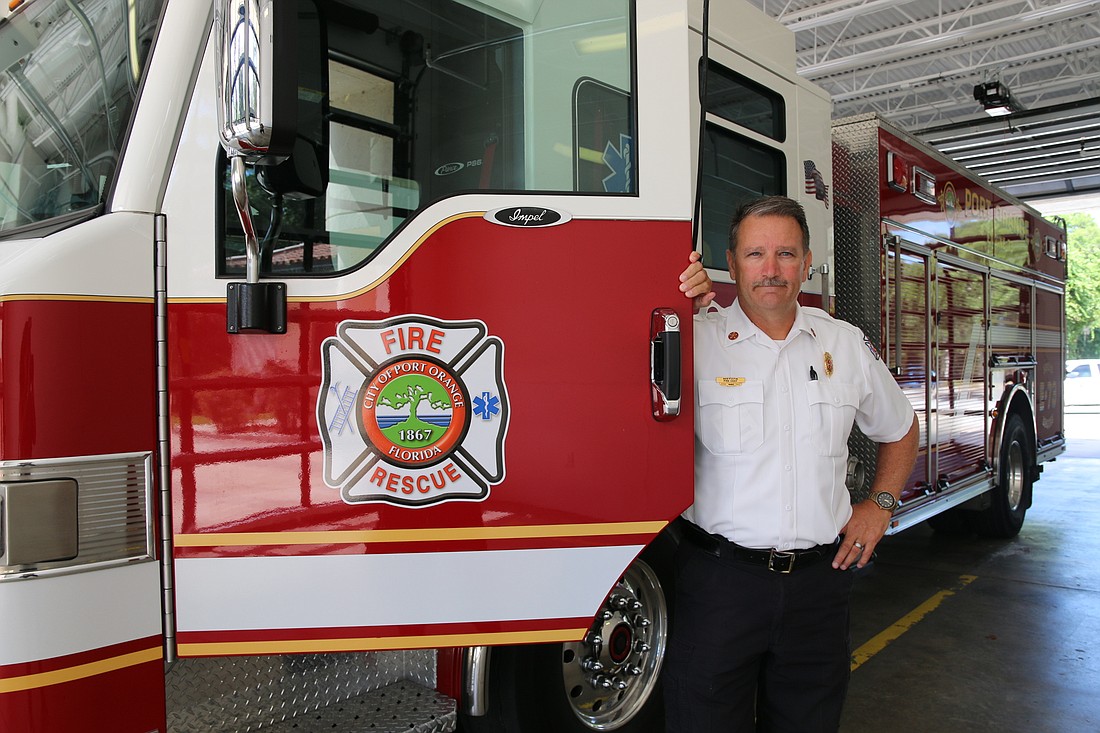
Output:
x=771 y=282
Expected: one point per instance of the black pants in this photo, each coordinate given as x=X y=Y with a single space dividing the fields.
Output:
x=755 y=650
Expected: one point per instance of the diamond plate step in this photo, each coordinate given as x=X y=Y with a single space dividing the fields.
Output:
x=403 y=707
x=337 y=693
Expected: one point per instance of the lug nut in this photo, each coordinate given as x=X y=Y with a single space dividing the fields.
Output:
x=591 y=665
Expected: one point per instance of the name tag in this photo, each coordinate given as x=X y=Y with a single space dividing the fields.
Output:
x=730 y=381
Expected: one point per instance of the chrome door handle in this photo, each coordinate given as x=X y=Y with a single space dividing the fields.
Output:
x=664 y=363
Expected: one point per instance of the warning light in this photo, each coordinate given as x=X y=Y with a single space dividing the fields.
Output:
x=897 y=172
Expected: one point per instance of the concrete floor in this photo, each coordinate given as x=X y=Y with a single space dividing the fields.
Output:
x=1013 y=645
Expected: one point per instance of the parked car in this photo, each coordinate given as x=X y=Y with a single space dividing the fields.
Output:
x=1082 y=382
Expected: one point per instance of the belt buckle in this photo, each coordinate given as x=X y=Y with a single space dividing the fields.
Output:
x=785 y=564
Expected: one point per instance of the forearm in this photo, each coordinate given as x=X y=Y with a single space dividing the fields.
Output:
x=869 y=522
x=895 y=462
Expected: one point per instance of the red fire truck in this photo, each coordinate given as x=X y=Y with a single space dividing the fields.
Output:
x=968 y=307
x=377 y=421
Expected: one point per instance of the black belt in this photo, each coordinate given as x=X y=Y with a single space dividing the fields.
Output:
x=778 y=561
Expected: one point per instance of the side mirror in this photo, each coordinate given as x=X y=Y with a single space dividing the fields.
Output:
x=257 y=104
x=257 y=70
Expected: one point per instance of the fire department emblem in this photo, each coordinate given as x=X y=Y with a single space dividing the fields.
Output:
x=412 y=410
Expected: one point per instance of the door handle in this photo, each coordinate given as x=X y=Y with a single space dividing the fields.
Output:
x=664 y=363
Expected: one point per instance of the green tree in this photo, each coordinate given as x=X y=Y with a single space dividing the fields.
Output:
x=1083 y=287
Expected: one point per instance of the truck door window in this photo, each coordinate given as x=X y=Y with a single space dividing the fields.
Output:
x=433 y=98
x=735 y=167
x=735 y=170
x=739 y=99
x=70 y=74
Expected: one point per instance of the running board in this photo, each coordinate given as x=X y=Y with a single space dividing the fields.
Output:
x=940 y=504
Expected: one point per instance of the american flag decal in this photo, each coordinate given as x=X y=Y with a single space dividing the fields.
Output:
x=815 y=183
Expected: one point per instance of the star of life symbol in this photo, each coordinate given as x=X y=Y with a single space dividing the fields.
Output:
x=396 y=416
x=621 y=162
x=486 y=406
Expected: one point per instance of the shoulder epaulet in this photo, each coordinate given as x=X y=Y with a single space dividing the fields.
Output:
x=710 y=312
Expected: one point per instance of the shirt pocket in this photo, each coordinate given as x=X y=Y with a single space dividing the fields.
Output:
x=731 y=419
x=832 y=413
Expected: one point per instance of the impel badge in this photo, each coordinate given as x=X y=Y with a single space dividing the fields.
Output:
x=413 y=410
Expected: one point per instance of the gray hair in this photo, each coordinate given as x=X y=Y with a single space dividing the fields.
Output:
x=771 y=206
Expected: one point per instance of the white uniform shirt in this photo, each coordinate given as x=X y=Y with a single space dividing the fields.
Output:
x=772 y=423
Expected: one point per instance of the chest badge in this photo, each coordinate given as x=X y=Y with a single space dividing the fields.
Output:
x=828 y=364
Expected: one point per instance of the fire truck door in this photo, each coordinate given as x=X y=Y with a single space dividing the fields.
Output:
x=454 y=443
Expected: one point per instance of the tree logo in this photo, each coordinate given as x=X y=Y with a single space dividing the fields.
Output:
x=412 y=410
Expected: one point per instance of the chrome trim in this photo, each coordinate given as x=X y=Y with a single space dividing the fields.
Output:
x=475 y=680
x=942 y=502
x=114 y=509
x=164 y=468
x=1003 y=266
x=1004 y=409
x=1050 y=452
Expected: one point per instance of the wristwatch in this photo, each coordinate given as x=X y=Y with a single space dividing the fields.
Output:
x=885 y=500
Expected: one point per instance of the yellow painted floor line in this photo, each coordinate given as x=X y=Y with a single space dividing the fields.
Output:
x=906 y=622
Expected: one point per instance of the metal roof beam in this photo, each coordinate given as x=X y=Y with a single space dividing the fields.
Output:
x=1037 y=166
x=987 y=129
x=907 y=85
x=1024 y=153
x=1082 y=172
x=930 y=26
x=839 y=11
x=1061 y=12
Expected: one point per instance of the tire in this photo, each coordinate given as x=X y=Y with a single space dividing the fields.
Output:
x=1011 y=497
x=608 y=682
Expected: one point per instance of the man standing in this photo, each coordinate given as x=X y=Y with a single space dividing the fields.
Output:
x=760 y=639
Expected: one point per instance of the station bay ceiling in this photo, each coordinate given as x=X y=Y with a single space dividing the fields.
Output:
x=916 y=62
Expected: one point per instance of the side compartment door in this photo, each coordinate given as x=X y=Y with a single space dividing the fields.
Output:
x=907 y=347
x=961 y=358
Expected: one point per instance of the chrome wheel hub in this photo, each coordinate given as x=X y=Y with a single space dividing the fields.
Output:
x=610 y=675
x=1014 y=476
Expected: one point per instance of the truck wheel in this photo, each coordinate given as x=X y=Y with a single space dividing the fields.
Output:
x=1012 y=495
x=608 y=681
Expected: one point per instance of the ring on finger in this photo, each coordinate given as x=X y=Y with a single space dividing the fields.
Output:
x=858 y=546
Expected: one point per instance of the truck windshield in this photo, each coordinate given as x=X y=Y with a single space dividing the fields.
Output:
x=431 y=98
x=70 y=72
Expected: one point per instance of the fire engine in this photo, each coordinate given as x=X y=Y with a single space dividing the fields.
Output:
x=344 y=374
x=967 y=308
